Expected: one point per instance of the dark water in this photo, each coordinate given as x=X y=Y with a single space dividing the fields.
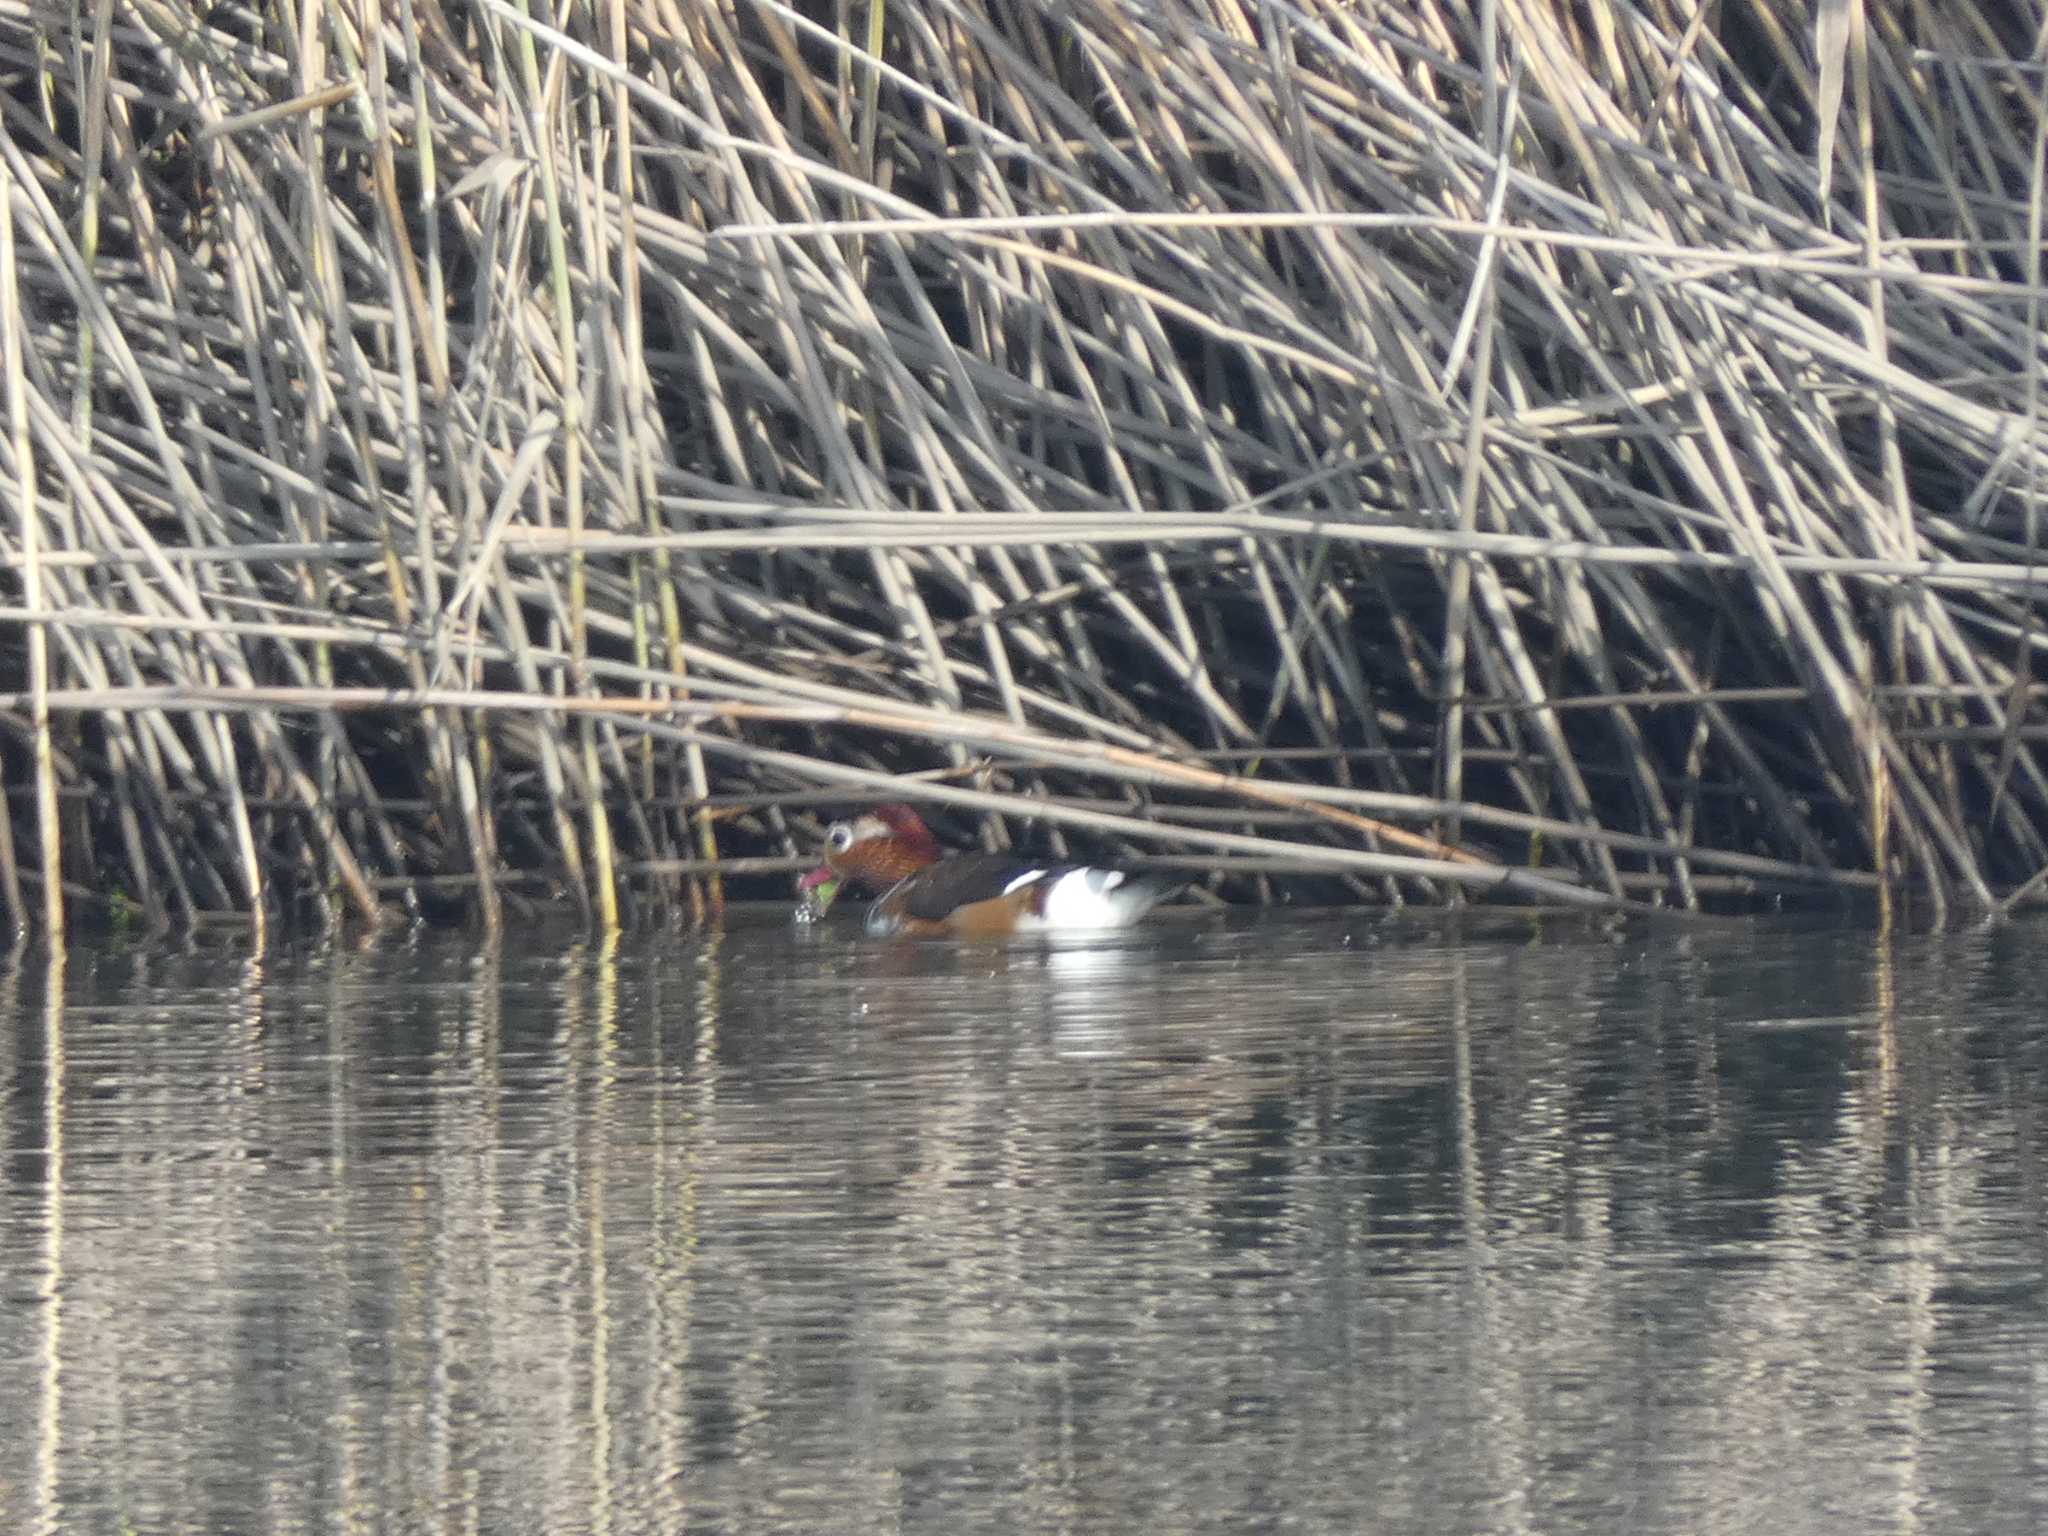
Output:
x=1338 y=1225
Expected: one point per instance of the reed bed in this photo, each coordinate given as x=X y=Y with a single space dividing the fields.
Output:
x=460 y=455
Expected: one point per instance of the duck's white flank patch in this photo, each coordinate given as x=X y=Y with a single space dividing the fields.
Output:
x=1029 y=877
x=1081 y=899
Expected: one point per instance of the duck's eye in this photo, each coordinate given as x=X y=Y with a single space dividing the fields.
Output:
x=839 y=837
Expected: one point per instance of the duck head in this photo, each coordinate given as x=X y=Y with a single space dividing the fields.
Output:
x=873 y=851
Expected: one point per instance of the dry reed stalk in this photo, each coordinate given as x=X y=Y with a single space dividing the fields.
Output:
x=29 y=518
x=1627 y=426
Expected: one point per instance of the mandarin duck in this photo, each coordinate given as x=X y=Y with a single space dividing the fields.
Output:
x=924 y=890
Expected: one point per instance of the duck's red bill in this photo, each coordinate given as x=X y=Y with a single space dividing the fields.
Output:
x=815 y=894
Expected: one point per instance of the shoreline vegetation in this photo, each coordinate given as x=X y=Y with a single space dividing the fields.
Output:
x=1384 y=452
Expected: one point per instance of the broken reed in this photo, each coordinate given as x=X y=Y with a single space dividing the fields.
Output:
x=1364 y=450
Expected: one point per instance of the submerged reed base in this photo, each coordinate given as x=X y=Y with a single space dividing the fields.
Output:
x=1348 y=451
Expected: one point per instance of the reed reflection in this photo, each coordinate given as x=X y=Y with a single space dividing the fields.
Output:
x=1457 y=1227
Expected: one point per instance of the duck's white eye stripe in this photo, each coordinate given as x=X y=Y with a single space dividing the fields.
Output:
x=1027 y=878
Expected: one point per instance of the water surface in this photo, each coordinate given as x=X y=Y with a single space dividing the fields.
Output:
x=1334 y=1224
